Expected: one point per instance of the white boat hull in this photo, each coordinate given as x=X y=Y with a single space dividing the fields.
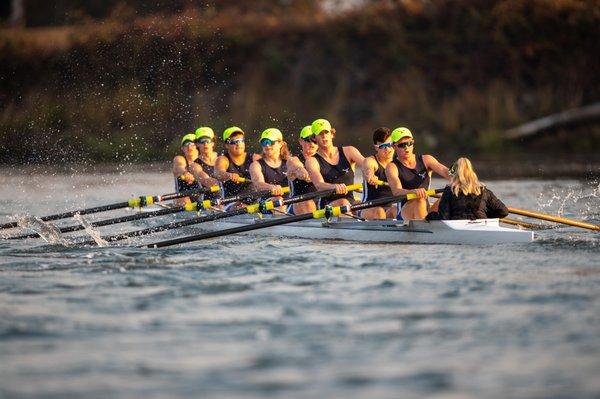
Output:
x=471 y=232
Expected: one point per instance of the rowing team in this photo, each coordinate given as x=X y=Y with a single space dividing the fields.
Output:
x=324 y=166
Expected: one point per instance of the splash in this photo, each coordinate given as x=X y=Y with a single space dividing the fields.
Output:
x=90 y=230
x=588 y=202
x=47 y=231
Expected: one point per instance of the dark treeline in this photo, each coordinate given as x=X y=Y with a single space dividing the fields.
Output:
x=128 y=82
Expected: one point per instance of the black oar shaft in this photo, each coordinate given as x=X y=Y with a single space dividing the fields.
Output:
x=110 y=207
x=203 y=219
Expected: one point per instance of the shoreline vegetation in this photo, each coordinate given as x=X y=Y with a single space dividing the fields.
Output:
x=124 y=89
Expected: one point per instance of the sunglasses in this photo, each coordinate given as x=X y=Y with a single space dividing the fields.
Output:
x=267 y=142
x=188 y=143
x=205 y=140
x=404 y=145
x=383 y=146
x=310 y=139
x=236 y=141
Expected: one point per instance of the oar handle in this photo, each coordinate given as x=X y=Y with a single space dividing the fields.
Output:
x=555 y=219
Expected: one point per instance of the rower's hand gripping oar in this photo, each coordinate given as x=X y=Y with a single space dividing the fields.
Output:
x=132 y=203
x=327 y=212
x=262 y=206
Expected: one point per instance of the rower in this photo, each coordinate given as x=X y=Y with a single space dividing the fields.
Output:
x=299 y=179
x=374 y=171
x=466 y=198
x=270 y=171
x=411 y=173
x=332 y=167
x=233 y=167
x=184 y=180
x=203 y=167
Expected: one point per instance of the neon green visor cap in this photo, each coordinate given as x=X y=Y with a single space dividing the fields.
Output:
x=231 y=130
x=272 y=134
x=306 y=132
x=205 y=132
x=400 y=133
x=319 y=125
x=188 y=137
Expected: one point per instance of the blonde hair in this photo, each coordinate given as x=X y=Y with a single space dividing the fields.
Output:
x=464 y=178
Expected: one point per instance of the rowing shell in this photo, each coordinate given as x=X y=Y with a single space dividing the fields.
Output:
x=471 y=232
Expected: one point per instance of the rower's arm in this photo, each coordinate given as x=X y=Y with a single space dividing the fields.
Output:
x=353 y=155
x=201 y=176
x=393 y=179
x=433 y=164
x=180 y=169
x=312 y=166
x=221 y=165
x=296 y=169
x=258 y=179
x=368 y=167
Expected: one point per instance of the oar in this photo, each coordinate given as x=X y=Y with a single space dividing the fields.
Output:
x=321 y=213
x=249 y=209
x=189 y=207
x=132 y=203
x=555 y=219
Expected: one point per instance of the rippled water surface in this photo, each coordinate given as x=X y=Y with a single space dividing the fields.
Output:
x=246 y=317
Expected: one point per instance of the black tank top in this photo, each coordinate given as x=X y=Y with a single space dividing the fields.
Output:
x=230 y=188
x=274 y=175
x=413 y=178
x=299 y=186
x=210 y=170
x=371 y=192
x=337 y=174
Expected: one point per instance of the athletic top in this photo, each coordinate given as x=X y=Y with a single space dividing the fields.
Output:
x=274 y=175
x=342 y=173
x=299 y=186
x=210 y=170
x=413 y=178
x=470 y=207
x=371 y=192
x=230 y=188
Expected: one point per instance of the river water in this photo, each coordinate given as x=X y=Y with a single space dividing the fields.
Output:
x=244 y=317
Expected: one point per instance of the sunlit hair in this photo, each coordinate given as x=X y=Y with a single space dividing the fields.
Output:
x=464 y=179
x=285 y=151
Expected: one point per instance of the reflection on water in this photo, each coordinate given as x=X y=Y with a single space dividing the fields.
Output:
x=269 y=317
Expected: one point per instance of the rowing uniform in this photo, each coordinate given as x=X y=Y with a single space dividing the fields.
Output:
x=230 y=188
x=209 y=170
x=299 y=186
x=371 y=192
x=342 y=173
x=419 y=177
x=274 y=175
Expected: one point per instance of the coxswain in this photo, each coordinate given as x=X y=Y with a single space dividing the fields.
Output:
x=298 y=176
x=466 y=198
x=332 y=167
x=373 y=169
x=411 y=173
